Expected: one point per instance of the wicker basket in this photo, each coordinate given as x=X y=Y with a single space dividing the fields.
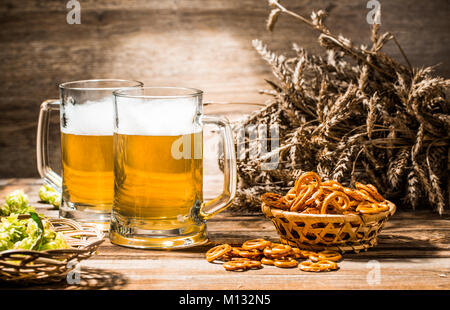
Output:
x=39 y=267
x=343 y=233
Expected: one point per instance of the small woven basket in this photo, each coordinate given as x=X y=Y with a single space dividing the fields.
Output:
x=317 y=232
x=40 y=267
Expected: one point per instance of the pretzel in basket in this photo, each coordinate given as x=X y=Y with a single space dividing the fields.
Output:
x=311 y=195
x=275 y=200
x=372 y=208
x=337 y=200
x=307 y=178
x=370 y=190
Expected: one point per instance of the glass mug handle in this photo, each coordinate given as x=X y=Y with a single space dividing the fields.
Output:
x=224 y=200
x=43 y=167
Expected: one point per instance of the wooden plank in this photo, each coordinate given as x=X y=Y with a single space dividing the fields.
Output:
x=204 y=44
x=195 y=273
x=413 y=253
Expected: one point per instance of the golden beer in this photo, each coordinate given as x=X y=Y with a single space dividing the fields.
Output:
x=158 y=168
x=158 y=179
x=88 y=176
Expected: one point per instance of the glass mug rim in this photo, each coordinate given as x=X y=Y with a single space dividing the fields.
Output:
x=78 y=85
x=172 y=92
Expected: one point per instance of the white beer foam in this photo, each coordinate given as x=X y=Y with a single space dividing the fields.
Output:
x=90 y=118
x=159 y=117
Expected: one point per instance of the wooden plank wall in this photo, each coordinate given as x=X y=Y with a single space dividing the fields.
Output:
x=196 y=43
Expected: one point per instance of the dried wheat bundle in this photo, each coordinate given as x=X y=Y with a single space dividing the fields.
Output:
x=354 y=114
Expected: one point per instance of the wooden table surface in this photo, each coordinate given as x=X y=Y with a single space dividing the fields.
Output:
x=413 y=253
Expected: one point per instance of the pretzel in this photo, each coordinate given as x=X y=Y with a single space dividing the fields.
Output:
x=250 y=256
x=258 y=244
x=290 y=196
x=217 y=252
x=277 y=250
x=354 y=204
x=333 y=185
x=240 y=259
x=296 y=253
x=372 y=208
x=235 y=251
x=287 y=262
x=314 y=196
x=311 y=211
x=306 y=254
x=243 y=265
x=356 y=195
x=267 y=261
x=240 y=252
x=253 y=254
x=310 y=195
x=275 y=201
x=331 y=200
x=227 y=257
x=320 y=266
x=235 y=265
x=326 y=255
x=371 y=190
x=301 y=198
x=366 y=195
x=254 y=264
x=307 y=178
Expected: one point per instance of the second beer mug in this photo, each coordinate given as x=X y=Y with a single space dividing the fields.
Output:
x=158 y=168
x=86 y=114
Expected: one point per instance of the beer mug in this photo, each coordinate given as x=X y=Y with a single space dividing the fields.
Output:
x=158 y=168
x=86 y=122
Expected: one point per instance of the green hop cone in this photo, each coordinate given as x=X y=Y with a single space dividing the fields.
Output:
x=49 y=195
x=28 y=234
x=12 y=230
x=16 y=202
x=17 y=199
x=4 y=210
x=56 y=242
